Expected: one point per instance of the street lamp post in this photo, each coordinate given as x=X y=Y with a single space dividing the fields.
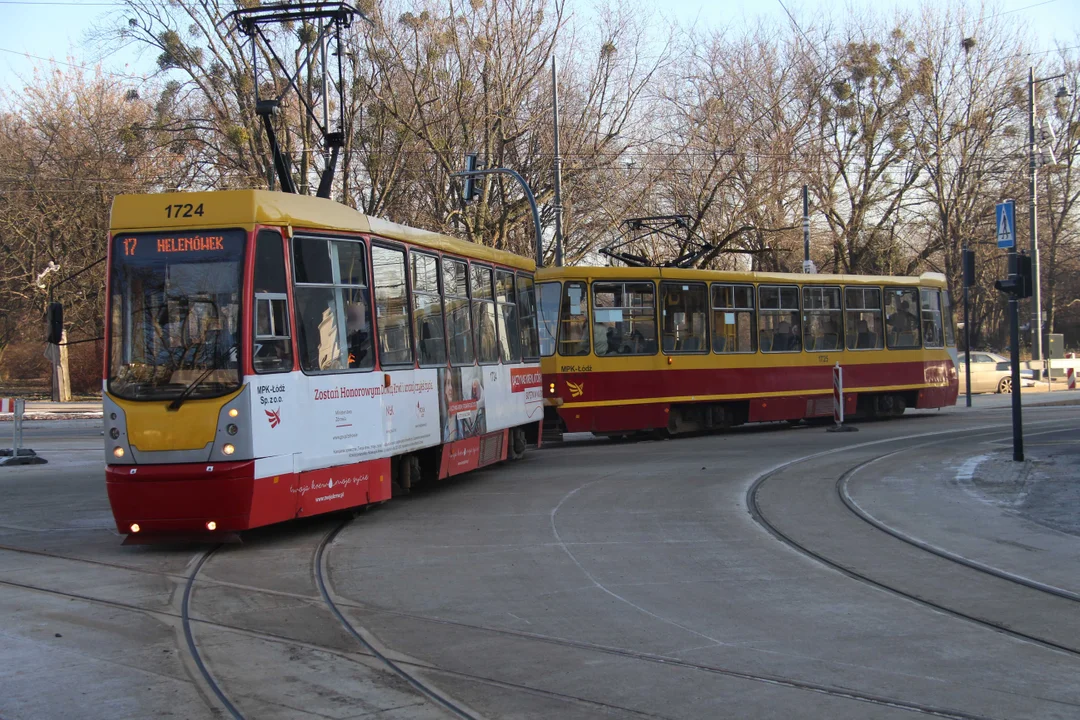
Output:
x=1033 y=222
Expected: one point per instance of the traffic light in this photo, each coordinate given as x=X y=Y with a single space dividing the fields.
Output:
x=472 y=188
x=1020 y=282
x=54 y=323
x=1023 y=276
x=967 y=258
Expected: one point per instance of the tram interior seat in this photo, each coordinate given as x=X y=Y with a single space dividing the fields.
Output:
x=429 y=350
x=719 y=343
x=866 y=340
x=691 y=344
x=828 y=341
x=669 y=343
x=904 y=339
x=782 y=342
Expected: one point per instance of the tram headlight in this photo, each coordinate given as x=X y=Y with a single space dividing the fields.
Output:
x=118 y=452
x=233 y=412
x=114 y=433
x=232 y=429
x=228 y=449
x=551 y=387
x=211 y=525
x=135 y=527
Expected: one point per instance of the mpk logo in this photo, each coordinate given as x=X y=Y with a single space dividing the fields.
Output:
x=576 y=389
x=274 y=417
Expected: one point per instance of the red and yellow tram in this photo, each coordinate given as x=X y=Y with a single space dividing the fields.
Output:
x=625 y=350
x=274 y=355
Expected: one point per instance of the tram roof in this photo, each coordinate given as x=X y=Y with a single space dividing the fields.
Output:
x=658 y=273
x=247 y=208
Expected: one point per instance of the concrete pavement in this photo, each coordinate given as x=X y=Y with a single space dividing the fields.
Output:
x=592 y=579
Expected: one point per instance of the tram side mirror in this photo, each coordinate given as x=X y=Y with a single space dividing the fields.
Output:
x=54 y=323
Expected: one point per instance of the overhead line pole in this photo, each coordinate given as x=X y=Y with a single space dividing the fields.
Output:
x=528 y=196
x=558 y=167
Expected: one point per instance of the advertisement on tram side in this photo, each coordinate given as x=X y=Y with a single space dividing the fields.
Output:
x=326 y=420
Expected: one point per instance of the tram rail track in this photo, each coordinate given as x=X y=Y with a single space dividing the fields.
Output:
x=408 y=668
x=787 y=537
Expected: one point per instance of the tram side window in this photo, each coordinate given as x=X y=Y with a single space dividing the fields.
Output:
x=483 y=300
x=507 y=317
x=526 y=298
x=902 y=313
x=427 y=310
x=947 y=319
x=865 y=330
x=272 y=348
x=573 y=321
x=547 y=311
x=624 y=318
x=351 y=266
x=683 y=324
x=391 y=305
x=318 y=326
x=332 y=310
x=733 y=318
x=458 y=315
x=933 y=333
x=822 y=319
x=778 y=318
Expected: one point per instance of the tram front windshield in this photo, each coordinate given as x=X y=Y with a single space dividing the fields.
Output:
x=175 y=314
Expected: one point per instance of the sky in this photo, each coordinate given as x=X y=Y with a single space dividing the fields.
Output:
x=57 y=29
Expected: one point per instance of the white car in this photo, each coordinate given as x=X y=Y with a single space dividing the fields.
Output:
x=991 y=372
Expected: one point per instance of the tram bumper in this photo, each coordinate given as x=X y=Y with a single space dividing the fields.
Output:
x=207 y=499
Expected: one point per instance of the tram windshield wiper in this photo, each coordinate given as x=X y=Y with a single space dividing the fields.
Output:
x=175 y=404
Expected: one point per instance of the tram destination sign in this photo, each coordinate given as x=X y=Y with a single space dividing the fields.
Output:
x=203 y=245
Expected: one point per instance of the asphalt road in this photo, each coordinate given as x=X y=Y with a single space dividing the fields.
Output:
x=765 y=572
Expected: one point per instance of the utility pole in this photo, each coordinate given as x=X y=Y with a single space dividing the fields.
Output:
x=1033 y=223
x=1033 y=228
x=967 y=260
x=558 y=167
x=807 y=263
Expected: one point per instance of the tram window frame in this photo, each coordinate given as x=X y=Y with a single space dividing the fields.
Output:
x=794 y=317
x=406 y=303
x=685 y=289
x=487 y=305
x=363 y=335
x=854 y=314
x=628 y=290
x=811 y=315
x=580 y=346
x=736 y=311
x=422 y=291
x=530 y=331
x=467 y=298
x=892 y=292
x=933 y=317
x=506 y=316
x=270 y=285
x=548 y=329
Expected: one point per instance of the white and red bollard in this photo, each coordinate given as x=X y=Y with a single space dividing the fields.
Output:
x=838 y=402
x=1071 y=375
x=17 y=455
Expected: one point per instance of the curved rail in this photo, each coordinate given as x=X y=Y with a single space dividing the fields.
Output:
x=853 y=506
x=419 y=685
x=761 y=519
x=185 y=617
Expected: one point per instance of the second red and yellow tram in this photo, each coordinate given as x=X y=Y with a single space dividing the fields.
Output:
x=626 y=350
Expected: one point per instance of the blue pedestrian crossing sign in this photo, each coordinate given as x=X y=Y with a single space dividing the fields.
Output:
x=1006 y=224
